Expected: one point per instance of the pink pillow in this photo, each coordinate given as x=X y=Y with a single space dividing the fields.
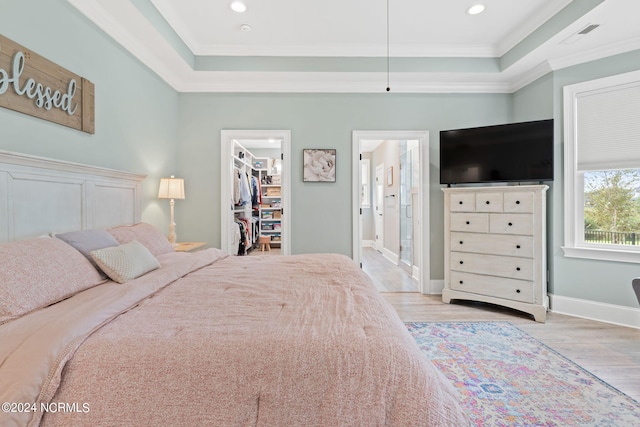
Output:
x=38 y=272
x=144 y=233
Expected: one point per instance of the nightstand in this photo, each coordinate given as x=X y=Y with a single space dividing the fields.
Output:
x=188 y=246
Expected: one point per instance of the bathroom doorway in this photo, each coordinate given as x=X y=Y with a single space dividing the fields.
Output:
x=401 y=192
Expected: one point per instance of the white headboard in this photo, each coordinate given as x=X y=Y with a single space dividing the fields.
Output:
x=40 y=196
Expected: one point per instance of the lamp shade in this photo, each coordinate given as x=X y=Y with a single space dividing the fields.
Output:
x=171 y=188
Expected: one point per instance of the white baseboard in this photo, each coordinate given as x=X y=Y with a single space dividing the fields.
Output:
x=592 y=310
x=394 y=258
x=368 y=244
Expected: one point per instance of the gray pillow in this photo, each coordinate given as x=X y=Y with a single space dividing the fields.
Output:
x=86 y=241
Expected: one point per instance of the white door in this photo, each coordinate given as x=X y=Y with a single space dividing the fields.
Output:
x=379 y=207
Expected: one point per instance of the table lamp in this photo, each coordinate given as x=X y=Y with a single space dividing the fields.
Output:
x=171 y=188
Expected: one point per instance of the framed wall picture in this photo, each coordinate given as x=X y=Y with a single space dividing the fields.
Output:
x=319 y=165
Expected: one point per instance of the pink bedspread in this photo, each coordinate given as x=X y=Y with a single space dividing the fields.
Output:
x=304 y=340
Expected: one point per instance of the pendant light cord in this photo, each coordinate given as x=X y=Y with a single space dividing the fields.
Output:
x=388 y=87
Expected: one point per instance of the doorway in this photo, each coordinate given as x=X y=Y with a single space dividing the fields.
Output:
x=404 y=201
x=264 y=156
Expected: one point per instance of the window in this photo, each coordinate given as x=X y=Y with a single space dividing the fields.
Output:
x=602 y=169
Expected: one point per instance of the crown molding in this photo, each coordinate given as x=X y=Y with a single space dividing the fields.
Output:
x=530 y=76
x=398 y=50
x=144 y=42
x=335 y=82
x=533 y=22
x=595 y=54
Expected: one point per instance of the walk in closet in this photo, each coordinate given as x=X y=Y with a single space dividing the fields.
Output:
x=257 y=198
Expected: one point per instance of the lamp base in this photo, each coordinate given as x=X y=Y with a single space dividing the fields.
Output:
x=172 y=225
x=172 y=233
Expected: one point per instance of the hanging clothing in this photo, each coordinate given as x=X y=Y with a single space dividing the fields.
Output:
x=236 y=237
x=236 y=186
x=245 y=189
x=256 y=192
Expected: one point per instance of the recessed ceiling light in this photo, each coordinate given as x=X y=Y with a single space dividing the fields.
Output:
x=245 y=27
x=475 y=9
x=238 y=6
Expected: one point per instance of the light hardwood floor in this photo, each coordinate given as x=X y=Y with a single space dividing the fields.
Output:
x=385 y=275
x=610 y=352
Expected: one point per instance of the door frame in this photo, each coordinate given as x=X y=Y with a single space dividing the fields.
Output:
x=379 y=232
x=424 y=276
x=226 y=169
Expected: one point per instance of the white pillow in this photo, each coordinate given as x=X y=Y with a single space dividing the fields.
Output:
x=125 y=262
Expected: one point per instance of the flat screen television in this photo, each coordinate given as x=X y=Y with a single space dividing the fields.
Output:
x=502 y=153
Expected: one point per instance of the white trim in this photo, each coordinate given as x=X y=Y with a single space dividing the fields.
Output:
x=226 y=167
x=12 y=158
x=596 y=53
x=365 y=170
x=415 y=272
x=342 y=50
x=394 y=258
x=423 y=197
x=368 y=244
x=340 y=82
x=602 y=254
x=601 y=312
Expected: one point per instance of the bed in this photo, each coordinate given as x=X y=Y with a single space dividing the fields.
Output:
x=201 y=338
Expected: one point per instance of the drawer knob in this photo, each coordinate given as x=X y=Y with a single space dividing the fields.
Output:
x=517 y=291
x=517 y=268
x=488 y=202
x=461 y=262
x=468 y=222
x=510 y=224
x=517 y=202
x=461 y=282
x=460 y=202
x=517 y=246
x=461 y=242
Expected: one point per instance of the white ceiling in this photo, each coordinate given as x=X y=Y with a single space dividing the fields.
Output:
x=523 y=37
x=355 y=27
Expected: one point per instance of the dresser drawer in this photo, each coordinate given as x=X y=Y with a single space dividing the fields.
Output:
x=518 y=202
x=495 y=244
x=511 y=224
x=462 y=202
x=476 y=222
x=516 y=290
x=489 y=202
x=492 y=265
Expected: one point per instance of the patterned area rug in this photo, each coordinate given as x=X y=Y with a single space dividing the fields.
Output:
x=507 y=378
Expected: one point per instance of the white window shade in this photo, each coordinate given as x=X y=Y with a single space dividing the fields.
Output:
x=608 y=128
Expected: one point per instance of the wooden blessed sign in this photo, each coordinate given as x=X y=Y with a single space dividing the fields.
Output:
x=31 y=84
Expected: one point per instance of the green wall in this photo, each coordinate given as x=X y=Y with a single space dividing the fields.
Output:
x=602 y=281
x=136 y=112
x=144 y=126
x=321 y=213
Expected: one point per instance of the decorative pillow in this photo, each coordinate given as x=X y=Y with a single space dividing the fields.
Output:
x=89 y=240
x=125 y=262
x=38 y=272
x=144 y=233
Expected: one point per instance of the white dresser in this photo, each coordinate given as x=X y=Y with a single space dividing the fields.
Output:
x=495 y=246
